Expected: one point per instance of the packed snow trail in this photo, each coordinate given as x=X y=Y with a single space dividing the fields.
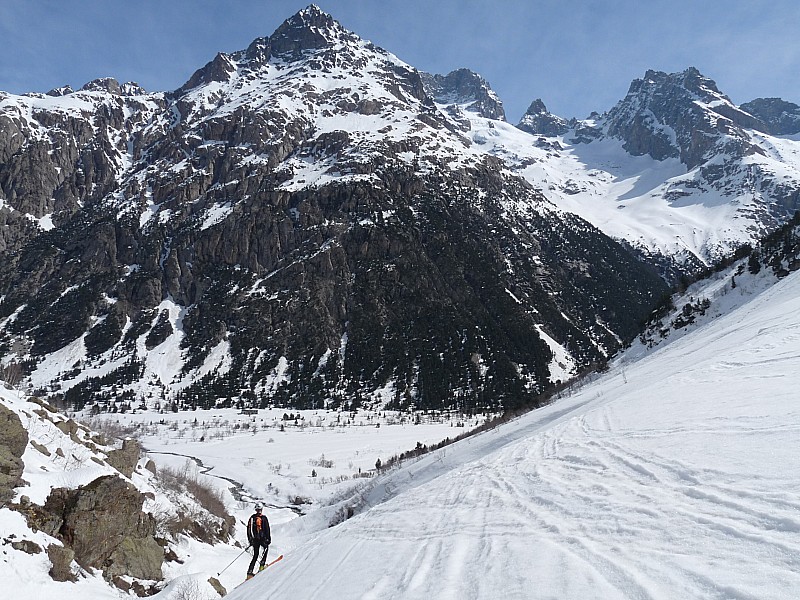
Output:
x=681 y=483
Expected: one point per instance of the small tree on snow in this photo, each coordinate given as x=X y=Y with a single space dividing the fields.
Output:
x=754 y=263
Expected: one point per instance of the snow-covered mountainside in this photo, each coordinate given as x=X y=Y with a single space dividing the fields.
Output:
x=299 y=223
x=311 y=221
x=675 y=168
x=674 y=475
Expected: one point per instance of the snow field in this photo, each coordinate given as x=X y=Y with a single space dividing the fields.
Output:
x=337 y=446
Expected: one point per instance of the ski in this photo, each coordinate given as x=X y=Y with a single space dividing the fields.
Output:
x=269 y=564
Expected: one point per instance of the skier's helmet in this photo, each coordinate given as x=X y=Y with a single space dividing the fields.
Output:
x=258 y=508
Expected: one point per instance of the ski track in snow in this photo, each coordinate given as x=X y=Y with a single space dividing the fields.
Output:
x=680 y=483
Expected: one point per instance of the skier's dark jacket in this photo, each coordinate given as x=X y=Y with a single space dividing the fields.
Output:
x=258 y=530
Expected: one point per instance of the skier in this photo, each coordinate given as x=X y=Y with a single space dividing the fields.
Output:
x=259 y=537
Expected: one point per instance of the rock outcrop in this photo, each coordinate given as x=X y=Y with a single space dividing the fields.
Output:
x=125 y=459
x=103 y=524
x=781 y=117
x=13 y=441
x=537 y=120
x=466 y=88
x=61 y=558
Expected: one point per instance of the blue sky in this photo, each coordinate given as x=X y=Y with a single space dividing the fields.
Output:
x=577 y=55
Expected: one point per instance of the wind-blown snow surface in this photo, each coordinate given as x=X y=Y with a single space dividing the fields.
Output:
x=676 y=477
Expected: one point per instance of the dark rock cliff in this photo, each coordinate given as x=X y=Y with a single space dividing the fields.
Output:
x=781 y=117
x=13 y=440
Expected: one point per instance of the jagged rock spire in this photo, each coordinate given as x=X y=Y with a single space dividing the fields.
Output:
x=539 y=121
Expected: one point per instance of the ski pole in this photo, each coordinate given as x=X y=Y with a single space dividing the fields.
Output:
x=233 y=561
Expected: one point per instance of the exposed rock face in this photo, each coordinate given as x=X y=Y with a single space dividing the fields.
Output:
x=681 y=115
x=61 y=91
x=538 y=121
x=104 y=84
x=13 y=440
x=125 y=459
x=464 y=87
x=52 y=162
x=781 y=117
x=61 y=558
x=105 y=527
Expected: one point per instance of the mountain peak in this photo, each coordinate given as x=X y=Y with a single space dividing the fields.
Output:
x=780 y=116
x=309 y=29
x=465 y=87
x=537 y=107
x=537 y=120
x=663 y=112
x=312 y=12
x=104 y=84
x=690 y=79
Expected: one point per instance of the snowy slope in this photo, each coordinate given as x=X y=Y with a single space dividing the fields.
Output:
x=658 y=206
x=672 y=477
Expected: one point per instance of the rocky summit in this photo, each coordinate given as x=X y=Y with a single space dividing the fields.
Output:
x=312 y=222
x=675 y=170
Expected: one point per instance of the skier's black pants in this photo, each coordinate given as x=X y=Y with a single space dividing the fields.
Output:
x=256 y=548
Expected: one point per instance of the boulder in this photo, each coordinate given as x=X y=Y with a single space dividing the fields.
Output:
x=124 y=460
x=68 y=427
x=104 y=525
x=61 y=558
x=49 y=407
x=41 y=448
x=220 y=589
x=27 y=546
